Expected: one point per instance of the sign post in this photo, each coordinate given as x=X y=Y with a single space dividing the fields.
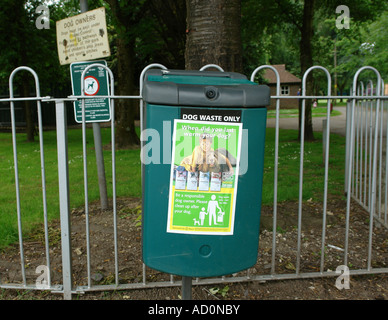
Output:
x=80 y=38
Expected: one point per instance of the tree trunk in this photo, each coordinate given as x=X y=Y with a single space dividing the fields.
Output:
x=126 y=108
x=25 y=85
x=213 y=34
x=306 y=61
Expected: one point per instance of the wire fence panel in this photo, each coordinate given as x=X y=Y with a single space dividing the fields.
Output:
x=370 y=127
x=303 y=239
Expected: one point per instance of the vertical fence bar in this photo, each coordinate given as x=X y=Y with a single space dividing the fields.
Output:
x=142 y=126
x=384 y=104
x=302 y=129
x=43 y=175
x=364 y=101
x=275 y=200
x=380 y=159
x=374 y=169
x=361 y=107
x=371 y=142
x=144 y=274
x=17 y=187
x=347 y=137
x=114 y=204
x=300 y=198
x=276 y=161
x=357 y=151
x=86 y=195
x=326 y=174
x=64 y=197
x=349 y=177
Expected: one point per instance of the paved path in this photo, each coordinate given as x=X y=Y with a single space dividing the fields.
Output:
x=337 y=123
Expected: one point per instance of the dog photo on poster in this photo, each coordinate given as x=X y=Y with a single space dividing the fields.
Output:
x=204 y=176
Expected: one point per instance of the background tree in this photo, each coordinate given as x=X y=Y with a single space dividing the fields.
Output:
x=146 y=31
x=301 y=19
x=237 y=36
x=296 y=17
x=163 y=38
x=374 y=46
x=23 y=44
x=126 y=15
x=214 y=34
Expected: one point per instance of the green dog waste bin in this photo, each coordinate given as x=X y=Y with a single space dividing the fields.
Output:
x=203 y=153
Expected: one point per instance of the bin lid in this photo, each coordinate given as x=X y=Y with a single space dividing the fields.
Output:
x=203 y=88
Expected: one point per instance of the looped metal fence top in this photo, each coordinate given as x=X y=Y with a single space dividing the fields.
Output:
x=366 y=180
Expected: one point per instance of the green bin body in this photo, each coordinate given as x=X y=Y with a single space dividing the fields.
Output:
x=176 y=102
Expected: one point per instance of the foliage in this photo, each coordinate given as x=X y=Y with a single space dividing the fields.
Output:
x=223 y=292
x=25 y=44
x=375 y=44
x=363 y=44
x=271 y=34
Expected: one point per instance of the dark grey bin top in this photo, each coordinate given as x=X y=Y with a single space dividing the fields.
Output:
x=203 y=89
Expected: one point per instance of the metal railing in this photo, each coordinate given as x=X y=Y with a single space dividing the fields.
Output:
x=368 y=162
x=358 y=153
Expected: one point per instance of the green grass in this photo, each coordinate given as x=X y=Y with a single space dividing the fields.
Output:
x=313 y=167
x=320 y=111
x=128 y=174
x=294 y=113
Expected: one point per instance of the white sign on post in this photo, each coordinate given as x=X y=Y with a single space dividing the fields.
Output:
x=83 y=37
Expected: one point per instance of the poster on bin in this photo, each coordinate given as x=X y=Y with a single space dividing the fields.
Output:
x=204 y=175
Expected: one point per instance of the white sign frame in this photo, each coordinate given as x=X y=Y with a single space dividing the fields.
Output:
x=83 y=37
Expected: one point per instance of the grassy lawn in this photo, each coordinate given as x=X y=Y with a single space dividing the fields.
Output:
x=320 y=111
x=313 y=169
x=129 y=176
x=127 y=166
x=294 y=113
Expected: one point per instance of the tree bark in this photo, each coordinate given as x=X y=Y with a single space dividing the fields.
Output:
x=126 y=108
x=213 y=34
x=306 y=61
x=25 y=84
x=170 y=26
